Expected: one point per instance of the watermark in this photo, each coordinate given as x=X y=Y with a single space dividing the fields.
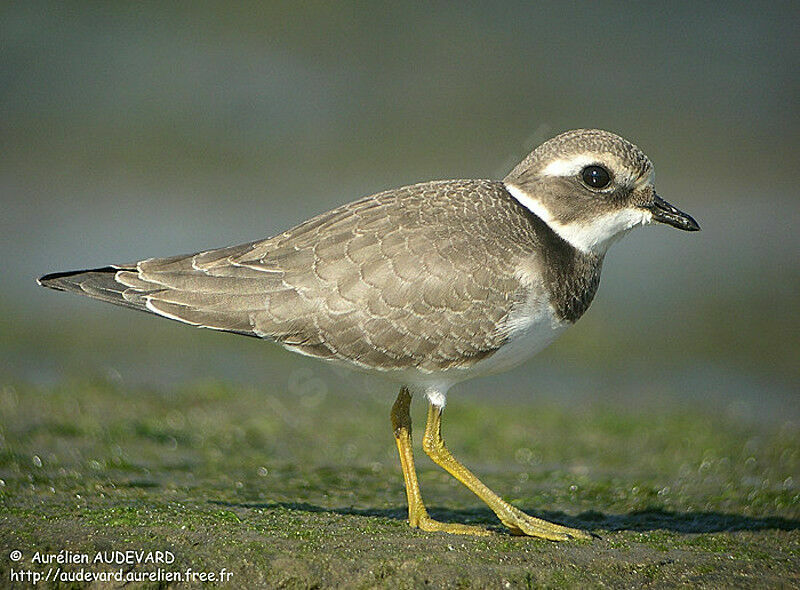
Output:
x=119 y=567
x=543 y=132
x=309 y=387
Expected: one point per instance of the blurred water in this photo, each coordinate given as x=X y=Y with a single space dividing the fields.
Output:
x=137 y=131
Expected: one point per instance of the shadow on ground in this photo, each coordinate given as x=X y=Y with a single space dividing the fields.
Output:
x=639 y=520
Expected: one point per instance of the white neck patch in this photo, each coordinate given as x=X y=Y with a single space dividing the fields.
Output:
x=594 y=236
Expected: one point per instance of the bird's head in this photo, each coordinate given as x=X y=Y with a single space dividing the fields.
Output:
x=592 y=187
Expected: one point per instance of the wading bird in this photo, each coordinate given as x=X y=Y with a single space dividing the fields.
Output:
x=427 y=285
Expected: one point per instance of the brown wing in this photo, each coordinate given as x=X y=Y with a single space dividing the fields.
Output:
x=416 y=277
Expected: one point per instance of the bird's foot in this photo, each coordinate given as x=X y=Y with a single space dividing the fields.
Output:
x=426 y=523
x=520 y=523
x=418 y=518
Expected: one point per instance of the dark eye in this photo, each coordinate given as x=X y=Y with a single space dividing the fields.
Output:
x=596 y=176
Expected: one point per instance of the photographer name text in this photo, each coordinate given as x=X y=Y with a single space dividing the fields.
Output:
x=127 y=557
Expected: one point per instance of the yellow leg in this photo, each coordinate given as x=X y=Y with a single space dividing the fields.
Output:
x=517 y=521
x=417 y=515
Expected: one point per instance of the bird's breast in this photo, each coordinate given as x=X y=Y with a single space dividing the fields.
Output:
x=531 y=325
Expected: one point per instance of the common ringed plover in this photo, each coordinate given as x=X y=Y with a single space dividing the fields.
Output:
x=427 y=285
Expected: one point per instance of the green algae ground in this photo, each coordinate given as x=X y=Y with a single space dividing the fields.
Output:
x=305 y=495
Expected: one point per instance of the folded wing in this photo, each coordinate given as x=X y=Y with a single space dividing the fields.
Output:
x=386 y=282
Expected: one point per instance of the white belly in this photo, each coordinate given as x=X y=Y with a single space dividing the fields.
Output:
x=531 y=328
x=531 y=333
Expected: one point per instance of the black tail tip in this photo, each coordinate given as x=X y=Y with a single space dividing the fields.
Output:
x=51 y=280
x=56 y=280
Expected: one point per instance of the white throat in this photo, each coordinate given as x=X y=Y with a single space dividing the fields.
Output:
x=595 y=236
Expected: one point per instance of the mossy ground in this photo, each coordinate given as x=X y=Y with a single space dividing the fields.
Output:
x=303 y=495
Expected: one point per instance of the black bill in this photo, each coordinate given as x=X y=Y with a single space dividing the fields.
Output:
x=666 y=213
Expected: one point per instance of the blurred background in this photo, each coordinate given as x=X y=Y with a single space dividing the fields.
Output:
x=132 y=130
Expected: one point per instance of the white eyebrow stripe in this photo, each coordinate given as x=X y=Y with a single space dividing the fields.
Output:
x=570 y=167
